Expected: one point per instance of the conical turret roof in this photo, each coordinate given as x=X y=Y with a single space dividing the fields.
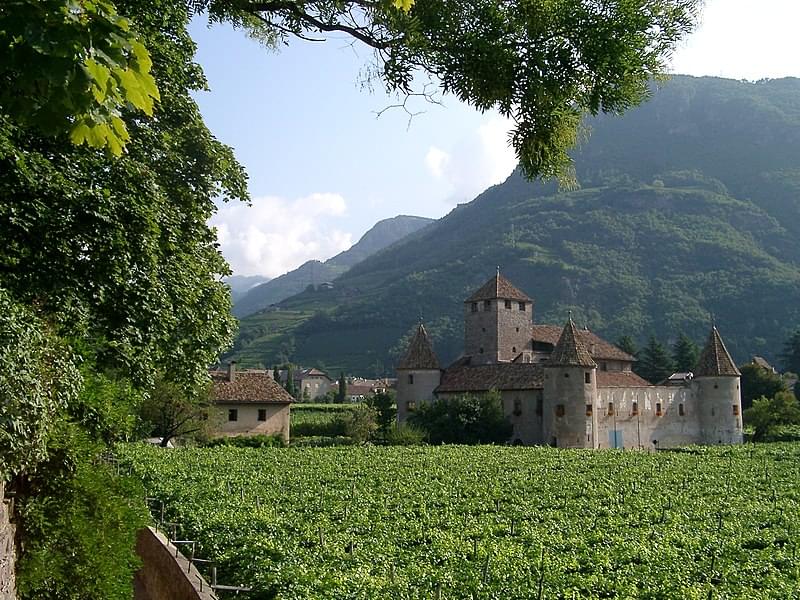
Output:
x=715 y=361
x=498 y=287
x=570 y=351
x=420 y=354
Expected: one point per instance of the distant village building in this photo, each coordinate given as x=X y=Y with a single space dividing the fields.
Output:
x=312 y=383
x=760 y=361
x=359 y=389
x=567 y=387
x=250 y=402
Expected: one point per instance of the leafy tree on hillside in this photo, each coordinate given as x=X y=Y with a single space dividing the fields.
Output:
x=626 y=344
x=465 y=419
x=655 y=363
x=759 y=382
x=768 y=415
x=276 y=374
x=685 y=354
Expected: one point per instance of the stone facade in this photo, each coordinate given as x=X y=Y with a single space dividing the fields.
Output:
x=7 y=550
x=568 y=387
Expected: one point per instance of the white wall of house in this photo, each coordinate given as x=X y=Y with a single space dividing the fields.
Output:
x=249 y=420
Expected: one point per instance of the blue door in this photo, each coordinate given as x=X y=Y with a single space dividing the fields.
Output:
x=615 y=439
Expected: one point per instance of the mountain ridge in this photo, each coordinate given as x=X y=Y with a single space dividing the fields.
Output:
x=689 y=205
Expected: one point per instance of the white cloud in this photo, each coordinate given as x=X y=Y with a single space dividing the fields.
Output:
x=436 y=160
x=276 y=235
x=482 y=158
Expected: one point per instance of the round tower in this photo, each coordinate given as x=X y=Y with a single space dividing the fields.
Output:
x=570 y=389
x=497 y=323
x=716 y=384
x=418 y=375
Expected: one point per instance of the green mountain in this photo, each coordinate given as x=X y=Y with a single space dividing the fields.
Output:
x=241 y=284
x=688 y=206
x=313 y=272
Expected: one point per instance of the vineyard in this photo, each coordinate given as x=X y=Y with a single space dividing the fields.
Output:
x=488 y=522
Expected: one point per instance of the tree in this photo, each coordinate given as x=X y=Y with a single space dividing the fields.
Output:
x=385 y=412
x=341 y=395
x=542 y=64
x=171 y=412
x=685 y=354
x=112 y=263
x=759 y=382
x=790 y=357
x=290 y=381
x=465 y=419
x=626 y=344
x=360 y=423
x=768 y=415
x=654 y=364
x=276 y=374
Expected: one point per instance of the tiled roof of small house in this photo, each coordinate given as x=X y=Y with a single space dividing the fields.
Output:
x=482 y=378
x=597 y=346
x=498 y=287
x=247 y=386
x=569 y=350
x=420 y=354
x=312 y=372
x=715 y=360
x=611 y=379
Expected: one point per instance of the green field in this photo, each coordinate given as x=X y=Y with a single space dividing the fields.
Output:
x=487 y=522
x=309 y=419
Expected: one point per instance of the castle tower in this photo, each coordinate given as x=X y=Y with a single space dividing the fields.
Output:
x=418 y=374
x=497 y=323
x=570 y=390
x=717 y=385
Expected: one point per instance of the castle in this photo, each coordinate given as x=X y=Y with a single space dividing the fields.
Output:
x=569 y=388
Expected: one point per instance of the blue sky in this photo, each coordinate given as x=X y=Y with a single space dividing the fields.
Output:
x=324 y=167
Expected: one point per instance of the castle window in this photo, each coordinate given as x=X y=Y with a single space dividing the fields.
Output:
x=483 y=329
x=560 y=410
x=588 y=410
x=474 y=307
x=262 y=414
x=410 y=379
x=517 y=407
x=539 y=407
x=514 y=349
x=522 y=306
x=518 y=332
x=587 y=377
x=480 y=350
x=508 y=303
x=610 y=408
x=635 y=409
x=736 y=410
x=487 y=304
x=604 y=366
x=658 y=409
x=411 y=406
x=681 y=410
x=566 y=374
x=233 y=414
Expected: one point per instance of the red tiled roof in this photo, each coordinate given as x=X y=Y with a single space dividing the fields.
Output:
x=609 y=379
x=597 y=346
x=247 y=386
x=420 y=354
x=569 y=350
x=498 y=287
x=482 y=378
x=715 y=360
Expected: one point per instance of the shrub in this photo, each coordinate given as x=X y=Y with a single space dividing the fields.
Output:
x=466 y=419
x=405 y=435
x=248 y=441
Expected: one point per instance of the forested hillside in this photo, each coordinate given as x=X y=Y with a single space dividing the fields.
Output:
x=688 y=206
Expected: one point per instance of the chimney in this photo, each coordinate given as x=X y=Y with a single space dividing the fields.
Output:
x=232 y=371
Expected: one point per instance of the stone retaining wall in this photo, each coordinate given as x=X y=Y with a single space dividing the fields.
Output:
x=166 y=574
x=7 y=550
